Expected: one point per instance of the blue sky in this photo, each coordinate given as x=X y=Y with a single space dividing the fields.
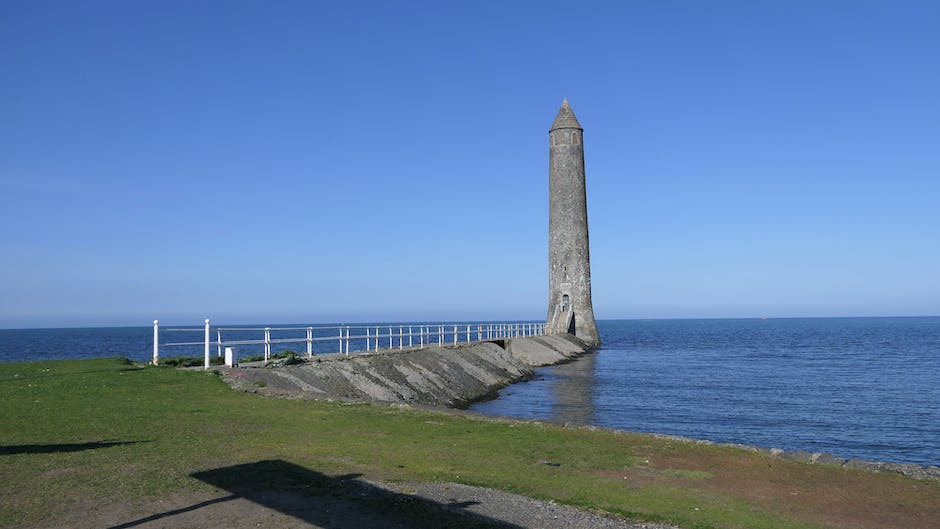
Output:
x=361 y=161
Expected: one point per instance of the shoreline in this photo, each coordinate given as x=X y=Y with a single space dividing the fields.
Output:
x=534 y=353
x=913 y=470
x=104 y=443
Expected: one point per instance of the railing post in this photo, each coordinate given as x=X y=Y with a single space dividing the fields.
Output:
x=401 y=337
x=218 y=341
x=389 y=337
x=368 y=337
x=347 y=340
x=309 y=342
x=468 y=334
x=341 y=340
x=267 y=344
x=410 y=338
x=455 y=334
x=206 y=366
x=156 y=342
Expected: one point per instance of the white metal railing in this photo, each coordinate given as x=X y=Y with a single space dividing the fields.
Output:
x=372 y=337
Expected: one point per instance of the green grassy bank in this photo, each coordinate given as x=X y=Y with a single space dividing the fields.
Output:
x=76 y=434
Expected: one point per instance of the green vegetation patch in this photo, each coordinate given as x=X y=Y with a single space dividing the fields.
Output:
x=689 y=474
x=289 y=355
x=83 y=433
x=190 y=361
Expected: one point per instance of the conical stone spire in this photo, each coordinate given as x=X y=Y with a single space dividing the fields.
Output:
x=565 y=118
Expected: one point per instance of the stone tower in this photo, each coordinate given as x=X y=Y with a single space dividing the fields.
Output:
x=569 y=262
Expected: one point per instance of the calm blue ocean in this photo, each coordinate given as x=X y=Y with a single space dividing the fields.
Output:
x=855 y=387
x=864 y=388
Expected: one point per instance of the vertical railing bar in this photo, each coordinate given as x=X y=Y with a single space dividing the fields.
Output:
x=267 y=345
x=156 y=342
x=309 y=342
x=206 y=366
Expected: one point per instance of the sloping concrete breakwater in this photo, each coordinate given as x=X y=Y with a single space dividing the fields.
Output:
x=451 y=376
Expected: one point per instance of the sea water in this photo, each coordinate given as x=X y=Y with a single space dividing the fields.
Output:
x=864 y=388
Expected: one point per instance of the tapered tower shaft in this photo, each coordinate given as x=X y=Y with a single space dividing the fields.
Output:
x=569 y=262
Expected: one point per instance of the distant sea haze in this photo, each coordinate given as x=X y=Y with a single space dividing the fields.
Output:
x=865 y=388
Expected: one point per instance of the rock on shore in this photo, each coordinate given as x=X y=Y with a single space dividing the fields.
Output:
x=451 y=376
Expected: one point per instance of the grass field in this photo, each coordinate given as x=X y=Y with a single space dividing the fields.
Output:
x=80 y=434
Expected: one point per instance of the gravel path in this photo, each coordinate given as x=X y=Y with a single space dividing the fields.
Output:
x=515 y=510
x=343 y=502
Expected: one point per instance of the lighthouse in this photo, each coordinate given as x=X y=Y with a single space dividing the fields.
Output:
x=569 y=261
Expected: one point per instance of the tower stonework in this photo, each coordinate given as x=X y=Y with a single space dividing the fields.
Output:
x=569 y=262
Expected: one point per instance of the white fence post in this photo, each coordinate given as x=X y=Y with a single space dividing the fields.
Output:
x=310 y=342
x=347 y=340
x=267 y=344
x=218 y=336
x=207 y=345
x=401 y=338
x=156 y=342
x=410 y=338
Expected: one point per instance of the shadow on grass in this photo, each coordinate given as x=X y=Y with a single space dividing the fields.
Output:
x=55 y=448
x=329 y=502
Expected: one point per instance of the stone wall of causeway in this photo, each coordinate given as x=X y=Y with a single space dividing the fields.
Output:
x=450 y=376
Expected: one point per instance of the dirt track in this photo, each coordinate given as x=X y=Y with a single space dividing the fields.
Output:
x=343 y=502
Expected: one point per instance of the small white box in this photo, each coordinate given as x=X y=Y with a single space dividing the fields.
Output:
x=231 y=356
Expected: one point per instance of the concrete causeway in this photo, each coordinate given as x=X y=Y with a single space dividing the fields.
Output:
x=449 y=376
